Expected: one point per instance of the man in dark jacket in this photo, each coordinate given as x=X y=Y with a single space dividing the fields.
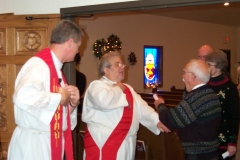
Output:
x=80 y=81
x=197 y=117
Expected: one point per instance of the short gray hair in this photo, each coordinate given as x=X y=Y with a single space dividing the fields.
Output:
x=200 y=70
x=218 y=57
x=64 y=31
x=105 y=61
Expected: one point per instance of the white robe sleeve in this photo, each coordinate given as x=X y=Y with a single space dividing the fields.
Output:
x=148 y=116
x=32 y=94
x=102 y=97
x=73 y=118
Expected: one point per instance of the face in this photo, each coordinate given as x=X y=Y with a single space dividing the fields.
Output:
x=115 y=72
x=201 y=54
x=203 y=51
x=73 y=49
x=186 y=77
x=213 y=70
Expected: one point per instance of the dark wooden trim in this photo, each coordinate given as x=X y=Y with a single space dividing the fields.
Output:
x=132 y=6
x=174 y=89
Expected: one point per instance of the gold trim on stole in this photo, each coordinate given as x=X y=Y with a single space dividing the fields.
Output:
x=56 y=116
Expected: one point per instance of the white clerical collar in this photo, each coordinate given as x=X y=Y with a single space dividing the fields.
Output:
x=58 y=64
x=199 y=85
x=104 y=77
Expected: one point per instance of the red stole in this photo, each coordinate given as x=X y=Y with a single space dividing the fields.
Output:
x=56 y=122
x=113 y=143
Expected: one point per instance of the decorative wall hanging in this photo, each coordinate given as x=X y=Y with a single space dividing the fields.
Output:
x=101 y=46
x=113 y=43
x=153 y=67
x=132 y=58
x=32 y=40
x=98 y=48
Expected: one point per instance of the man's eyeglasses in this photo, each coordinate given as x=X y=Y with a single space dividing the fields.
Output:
x=201 y=57
x=183 y=72
x=118 y=64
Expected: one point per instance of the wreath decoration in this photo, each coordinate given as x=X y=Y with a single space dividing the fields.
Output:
x=132 y=58
x=101 y=46
x=113 y=43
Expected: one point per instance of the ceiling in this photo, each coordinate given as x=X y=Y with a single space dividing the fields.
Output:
x=211 y=13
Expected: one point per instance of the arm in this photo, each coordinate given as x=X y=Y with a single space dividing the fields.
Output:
x=73 y=103
x=104 y=96
x=74 y=96
x=233 y=105
x=173 y=118
x=32 y=93
x=160 y=106
x=65 y=96
x=158 y=102
x=147 y=115
x=232 y=102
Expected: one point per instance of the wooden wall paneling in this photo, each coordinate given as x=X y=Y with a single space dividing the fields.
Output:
x=155 y=142
x=30 y=40
x=11 y=76
x=3 y=152
x=10 y=42
x=19 y=40
x=173 y=146
x=2 y=41
x=3 y=98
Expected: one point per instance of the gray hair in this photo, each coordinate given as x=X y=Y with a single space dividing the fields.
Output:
x=105 y=60
x=200 y=69
x=64 y=31
x=218 y=57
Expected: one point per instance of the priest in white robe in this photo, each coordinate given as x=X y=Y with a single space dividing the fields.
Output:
x=44 y=105
x=113 y=111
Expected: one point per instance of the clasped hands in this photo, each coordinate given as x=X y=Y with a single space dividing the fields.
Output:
x=69 y=95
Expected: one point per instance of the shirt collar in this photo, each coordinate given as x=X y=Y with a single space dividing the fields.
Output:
x=199 y=85
x=58 y=64
x=104 y=77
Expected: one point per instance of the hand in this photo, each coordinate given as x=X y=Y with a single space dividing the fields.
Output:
x=74 y=95
x=157 y=102
x=121 y=85
x=232 y=150
x=65 y=96
x=162 y=127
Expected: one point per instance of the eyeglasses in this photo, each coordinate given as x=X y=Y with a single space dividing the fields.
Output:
x=118 y=64
x=183 y=72
x=209 y=64
x=201 y=57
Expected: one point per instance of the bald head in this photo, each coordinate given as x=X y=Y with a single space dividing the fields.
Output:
x=200 y=70
x=195 y=72
x=203 y=51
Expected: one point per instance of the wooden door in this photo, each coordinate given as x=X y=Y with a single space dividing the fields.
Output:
x=20 y=39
